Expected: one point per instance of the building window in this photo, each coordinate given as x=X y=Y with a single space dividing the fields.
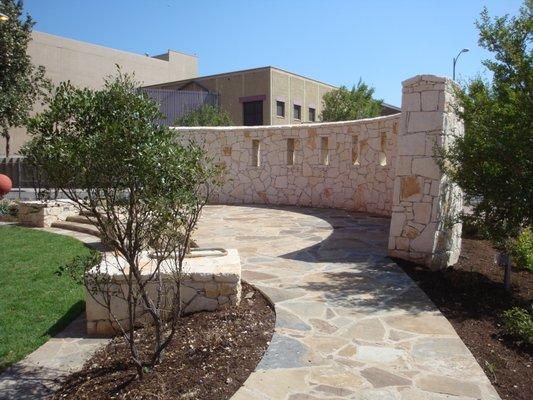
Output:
x=256 y=153
x=290 y=151
x=252 y=113
x=312 y=114
x=280 y=108
x=355 y=150
x=324 y=150
x=297 y=112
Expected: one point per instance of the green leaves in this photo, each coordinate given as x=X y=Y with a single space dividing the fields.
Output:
x=206 y=115
x=21 y=83
x=345 y=105
x=493 y=162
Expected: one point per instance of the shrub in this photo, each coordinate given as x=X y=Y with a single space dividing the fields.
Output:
x=522 y=249
x=206 y=115
x=518 y=322
x=8 y=208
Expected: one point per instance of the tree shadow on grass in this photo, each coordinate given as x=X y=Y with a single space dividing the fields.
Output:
x=70 y=324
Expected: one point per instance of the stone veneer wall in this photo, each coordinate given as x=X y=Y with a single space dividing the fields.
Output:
x=424 y=223
x=395 y=174
x=208 y=284
x=364 y=185
x=44 y=214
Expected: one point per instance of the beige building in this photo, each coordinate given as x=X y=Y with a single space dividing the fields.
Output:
x=86 y=65
x=264 y=96
x=261 y=96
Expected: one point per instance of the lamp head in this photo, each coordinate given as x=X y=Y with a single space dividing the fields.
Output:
x=465 y=50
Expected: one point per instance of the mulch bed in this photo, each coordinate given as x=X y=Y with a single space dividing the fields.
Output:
x=210 y=358
x=472 y=297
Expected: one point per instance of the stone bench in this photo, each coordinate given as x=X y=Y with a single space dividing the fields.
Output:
x=209 y=282
x=43 y=214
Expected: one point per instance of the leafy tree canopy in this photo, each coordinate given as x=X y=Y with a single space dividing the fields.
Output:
x=344 y=104
x=21 y=83
x=493 y=162
x=207 y=115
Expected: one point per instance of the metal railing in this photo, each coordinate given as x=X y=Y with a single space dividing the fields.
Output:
x=175 y=104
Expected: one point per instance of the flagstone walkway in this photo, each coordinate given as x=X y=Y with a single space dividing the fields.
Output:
x=350 y=324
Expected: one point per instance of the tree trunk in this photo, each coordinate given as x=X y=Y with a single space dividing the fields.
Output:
x=505 y=262
x=8 y=146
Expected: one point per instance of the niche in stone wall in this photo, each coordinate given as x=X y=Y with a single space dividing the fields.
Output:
x=324 y=150
x=290 y=151
x=256 y=153
x=355 y=150
x=383 y=149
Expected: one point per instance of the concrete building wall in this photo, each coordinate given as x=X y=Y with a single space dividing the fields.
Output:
x=294 y=89
x=86 y=65
x=268 y=83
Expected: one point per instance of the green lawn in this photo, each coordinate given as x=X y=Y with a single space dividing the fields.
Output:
x=35 y=303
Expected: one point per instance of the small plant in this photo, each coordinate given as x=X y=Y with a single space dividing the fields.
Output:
x=522 y=249
x=518 y=322
x=8 y=208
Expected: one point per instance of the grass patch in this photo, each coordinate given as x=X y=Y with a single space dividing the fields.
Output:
x=35 y=304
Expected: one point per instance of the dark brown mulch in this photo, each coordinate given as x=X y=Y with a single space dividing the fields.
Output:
x=210 y=358
x=472 y=297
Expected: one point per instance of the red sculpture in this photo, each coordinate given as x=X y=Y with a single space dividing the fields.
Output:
x=5 y=185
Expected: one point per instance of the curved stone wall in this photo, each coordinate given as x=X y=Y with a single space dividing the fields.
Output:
x=348 y=165
x=382 y=165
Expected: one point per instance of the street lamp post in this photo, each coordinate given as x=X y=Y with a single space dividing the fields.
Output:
x=455 y=60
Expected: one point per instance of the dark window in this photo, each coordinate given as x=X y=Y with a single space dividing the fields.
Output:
x=252 y=113
x=297 y=112
x=312 y=114
x=280 y=108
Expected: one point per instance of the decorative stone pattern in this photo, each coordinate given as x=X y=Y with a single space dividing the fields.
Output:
x=43 y=214
x=350 y=324
x=359 y=174
x=208 y=283
x=424 y=223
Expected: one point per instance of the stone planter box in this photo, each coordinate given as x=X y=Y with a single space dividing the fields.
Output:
x=43 y=214
x=210 y=282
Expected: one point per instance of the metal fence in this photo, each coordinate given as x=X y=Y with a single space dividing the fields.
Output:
x=18 y=170
x=177 y=103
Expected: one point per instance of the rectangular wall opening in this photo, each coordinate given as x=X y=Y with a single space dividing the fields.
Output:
x=290 y=151
x=383 y=150
x=355 y=150
x=256 y=153
x=324 y=150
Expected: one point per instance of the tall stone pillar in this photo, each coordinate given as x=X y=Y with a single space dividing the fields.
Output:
x=424 y=226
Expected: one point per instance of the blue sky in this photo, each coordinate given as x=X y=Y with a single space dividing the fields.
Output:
x=336 y=41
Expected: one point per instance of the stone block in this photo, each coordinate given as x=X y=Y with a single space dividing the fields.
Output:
x=425 y=121
x=413 y=144
x=426 y=167
x=430 y=100
x=410 y=188
x=422 y=212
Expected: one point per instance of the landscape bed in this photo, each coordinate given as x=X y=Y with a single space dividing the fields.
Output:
x=211 y=356
x=472 y=298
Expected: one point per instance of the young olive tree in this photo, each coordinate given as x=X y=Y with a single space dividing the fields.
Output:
x=144 y=192
x=493 y=162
